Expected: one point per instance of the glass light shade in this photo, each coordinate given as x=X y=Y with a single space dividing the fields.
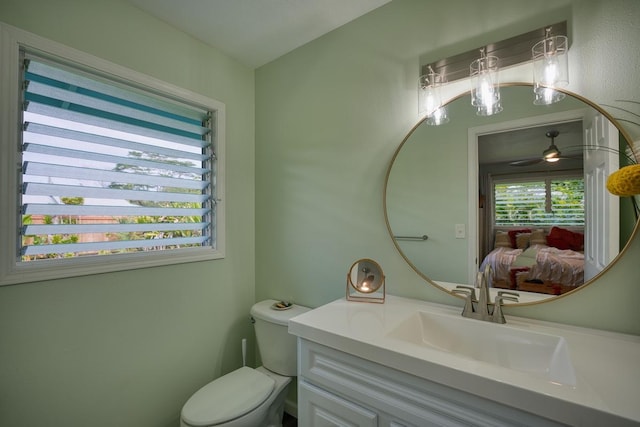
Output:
x=429 y=99
x=550 y=69
x=485 y=86
x=438 y=117
x=546 y=96
x=489 y=110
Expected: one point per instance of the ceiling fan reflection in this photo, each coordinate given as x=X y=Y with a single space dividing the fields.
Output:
x=551 y=155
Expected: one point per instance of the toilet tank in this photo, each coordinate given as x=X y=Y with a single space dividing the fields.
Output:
x=277 y=347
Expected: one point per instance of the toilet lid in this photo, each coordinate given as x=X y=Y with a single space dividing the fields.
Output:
x=228 y=397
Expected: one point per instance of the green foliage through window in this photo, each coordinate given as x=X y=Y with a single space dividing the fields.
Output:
x=539 y=203
x=109 y=168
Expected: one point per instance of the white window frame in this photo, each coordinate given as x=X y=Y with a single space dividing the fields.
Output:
x=12 y=271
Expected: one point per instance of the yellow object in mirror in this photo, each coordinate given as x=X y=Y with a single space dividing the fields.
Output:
x=365 y=282
x=625 y=181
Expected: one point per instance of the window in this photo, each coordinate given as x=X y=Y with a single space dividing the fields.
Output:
x=539 y=202
x=114 y=170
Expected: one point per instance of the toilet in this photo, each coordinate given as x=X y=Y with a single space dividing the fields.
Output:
x=250 y=397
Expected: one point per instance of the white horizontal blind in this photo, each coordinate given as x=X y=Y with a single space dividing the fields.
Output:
x=108 y=168
x=542 y=203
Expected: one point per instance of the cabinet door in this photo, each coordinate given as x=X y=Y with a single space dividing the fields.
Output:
x=324 y=409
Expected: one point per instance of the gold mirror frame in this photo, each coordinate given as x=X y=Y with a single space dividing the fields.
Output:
x=623 y=133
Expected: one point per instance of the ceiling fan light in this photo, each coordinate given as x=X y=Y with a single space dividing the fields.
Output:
x=550 y=152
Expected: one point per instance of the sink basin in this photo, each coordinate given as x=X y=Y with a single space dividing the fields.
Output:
x=543 y=355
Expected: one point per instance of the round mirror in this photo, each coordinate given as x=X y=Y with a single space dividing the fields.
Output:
x=483 y=192
x=365 y=282
x=365 y=276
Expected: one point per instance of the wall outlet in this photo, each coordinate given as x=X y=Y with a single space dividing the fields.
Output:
x=460 y=231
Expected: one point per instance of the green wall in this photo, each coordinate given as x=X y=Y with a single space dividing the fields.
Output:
x=330 y=115
x=129 y=348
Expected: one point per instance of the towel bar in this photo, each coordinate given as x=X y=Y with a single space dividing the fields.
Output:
x=423 y=237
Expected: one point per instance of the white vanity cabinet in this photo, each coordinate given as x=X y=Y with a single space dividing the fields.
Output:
x=339 y=389
x=413 y=363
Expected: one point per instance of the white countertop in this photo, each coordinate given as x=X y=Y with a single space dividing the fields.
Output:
x=606 y=364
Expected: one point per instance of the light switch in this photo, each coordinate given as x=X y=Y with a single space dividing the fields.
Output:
x=460 y=231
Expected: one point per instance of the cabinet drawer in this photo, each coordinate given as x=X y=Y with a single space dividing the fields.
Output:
x=321 y=408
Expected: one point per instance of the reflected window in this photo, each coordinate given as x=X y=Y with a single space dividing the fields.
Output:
x=554 y=201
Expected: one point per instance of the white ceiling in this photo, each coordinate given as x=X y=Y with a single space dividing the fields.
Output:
x=256 y=32
x=527 y=144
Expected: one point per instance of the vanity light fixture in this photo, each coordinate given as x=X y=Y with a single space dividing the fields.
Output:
x=548 y=53
x=430 y=99
x=550 y=68
x=485 y=86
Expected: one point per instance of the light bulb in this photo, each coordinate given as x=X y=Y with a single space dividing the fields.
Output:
x=550 y=73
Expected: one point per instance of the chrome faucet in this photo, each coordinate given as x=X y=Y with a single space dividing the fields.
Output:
x=483 y=295
x=479 y=308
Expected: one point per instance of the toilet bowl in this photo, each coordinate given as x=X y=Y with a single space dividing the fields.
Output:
x=250 y=397
x=245 y=397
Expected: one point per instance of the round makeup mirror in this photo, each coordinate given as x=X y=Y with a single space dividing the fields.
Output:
x=365 y=281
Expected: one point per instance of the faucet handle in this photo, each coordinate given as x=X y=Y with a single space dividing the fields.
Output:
x=468 y=301
x=462 y=289
x=498 y=316
x=457 y=290
x=515 y=294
